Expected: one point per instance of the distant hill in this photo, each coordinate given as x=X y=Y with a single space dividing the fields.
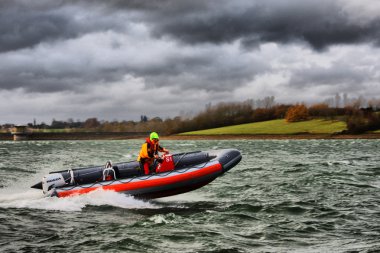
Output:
x=279 y=126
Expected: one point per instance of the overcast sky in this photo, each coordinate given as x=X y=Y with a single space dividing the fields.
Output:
x=120 y=59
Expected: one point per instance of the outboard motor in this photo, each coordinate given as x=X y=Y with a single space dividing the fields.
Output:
x=52 y=181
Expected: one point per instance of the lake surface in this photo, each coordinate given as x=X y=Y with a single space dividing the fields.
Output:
x=284 y=196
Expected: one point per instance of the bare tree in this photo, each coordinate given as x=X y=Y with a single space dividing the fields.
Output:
x=337 y=100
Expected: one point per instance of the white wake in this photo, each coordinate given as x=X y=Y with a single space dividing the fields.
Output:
x=34 y=199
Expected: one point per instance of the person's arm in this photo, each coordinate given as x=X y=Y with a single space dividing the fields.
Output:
x=162 y=149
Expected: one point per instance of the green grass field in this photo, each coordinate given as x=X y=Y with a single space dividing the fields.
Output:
x=280 y=126
x=51 y=130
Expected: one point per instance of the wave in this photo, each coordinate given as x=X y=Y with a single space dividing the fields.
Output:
x=32 y=199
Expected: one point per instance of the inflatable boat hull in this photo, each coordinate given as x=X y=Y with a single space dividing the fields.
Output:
x=191 y=171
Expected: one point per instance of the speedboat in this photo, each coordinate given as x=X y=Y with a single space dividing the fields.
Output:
x=173 y=174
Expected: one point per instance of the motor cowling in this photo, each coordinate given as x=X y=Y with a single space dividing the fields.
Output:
x=52 y=181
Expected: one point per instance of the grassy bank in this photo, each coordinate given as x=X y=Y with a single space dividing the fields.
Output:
x=274 y=127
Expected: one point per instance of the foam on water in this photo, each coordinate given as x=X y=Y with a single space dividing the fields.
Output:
x=35 y=200
x=376 y=184
x=162 y=219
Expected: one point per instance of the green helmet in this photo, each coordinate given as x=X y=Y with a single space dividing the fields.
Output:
x=153 y=135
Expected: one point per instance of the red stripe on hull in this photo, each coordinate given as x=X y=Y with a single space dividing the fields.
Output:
x=147 y=183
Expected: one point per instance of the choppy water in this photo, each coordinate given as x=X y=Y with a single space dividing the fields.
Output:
x=284 y=196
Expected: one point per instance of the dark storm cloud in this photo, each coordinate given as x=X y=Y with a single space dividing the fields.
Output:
x=202 y=72
x=20 y=31
x=318 y=23
x=24 y=24
x=41 y=80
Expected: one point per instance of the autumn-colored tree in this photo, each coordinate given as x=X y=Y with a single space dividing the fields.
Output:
x=297 y=113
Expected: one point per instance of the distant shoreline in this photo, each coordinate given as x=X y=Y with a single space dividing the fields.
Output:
x=78 y=136
x=124 y=136
x=272 y=137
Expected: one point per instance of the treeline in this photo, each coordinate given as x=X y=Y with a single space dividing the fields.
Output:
x=359 y=119
x=226 y=114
